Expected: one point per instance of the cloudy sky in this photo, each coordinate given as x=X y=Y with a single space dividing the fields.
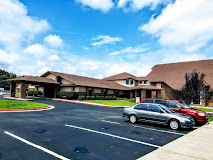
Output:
x=99 y=38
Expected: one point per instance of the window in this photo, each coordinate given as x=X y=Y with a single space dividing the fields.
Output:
x=131 y=81
x=127 y=81
x=161 y=102
x=140 y=82
x=148 y=101
x=154 y=108
x=173 y=105
x=144 y=82
x=141 y=107
x=59 y=79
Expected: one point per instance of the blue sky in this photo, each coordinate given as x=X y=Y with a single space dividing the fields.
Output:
x=99 y=38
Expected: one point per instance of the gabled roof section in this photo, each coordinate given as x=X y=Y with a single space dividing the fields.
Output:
x=120 y=76
x=141 y=78
x=173 y=74
x=86 y=81
x=34 y=79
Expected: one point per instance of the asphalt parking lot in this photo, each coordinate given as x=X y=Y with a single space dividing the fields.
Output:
x=77 y=131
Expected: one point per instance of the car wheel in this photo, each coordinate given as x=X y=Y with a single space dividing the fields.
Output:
x=132 y=118
x=174 y=124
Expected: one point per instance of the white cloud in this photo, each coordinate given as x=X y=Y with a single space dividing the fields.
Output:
x=140 y=4
x=104 y=39
x=54 y=41
x=102 y=5
x=54 y=58
x=16 y=26
x=8 y=58
x=129 y=50
x=43 y=70
x=36 y=50
x=186 y=23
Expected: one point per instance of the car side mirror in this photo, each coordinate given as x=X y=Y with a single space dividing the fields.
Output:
x=161 y=111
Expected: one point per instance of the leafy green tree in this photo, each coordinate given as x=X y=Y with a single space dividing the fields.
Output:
x=4 y=75
x=194 y=89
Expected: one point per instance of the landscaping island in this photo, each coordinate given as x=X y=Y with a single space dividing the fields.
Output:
x=13 y=104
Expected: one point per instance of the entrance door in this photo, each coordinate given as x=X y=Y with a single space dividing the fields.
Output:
x=49 y=91
x=148 y=94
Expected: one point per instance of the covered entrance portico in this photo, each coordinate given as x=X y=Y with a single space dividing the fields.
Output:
x=146 y=92
x=50 y=86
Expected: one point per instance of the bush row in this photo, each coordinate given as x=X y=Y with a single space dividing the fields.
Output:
x=34 y=93
x=133 y=100
x=67 y=94
x=96 y=98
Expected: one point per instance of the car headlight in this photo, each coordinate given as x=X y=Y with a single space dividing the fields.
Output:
x=185 y=119
x=201 y=114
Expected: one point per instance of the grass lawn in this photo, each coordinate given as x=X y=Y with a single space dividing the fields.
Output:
x=210 y=118
x=17 y=95
x=13 y=104
x=111 y=102
x=203 y=109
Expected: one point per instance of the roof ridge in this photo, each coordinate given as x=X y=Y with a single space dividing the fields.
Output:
x=184 y=62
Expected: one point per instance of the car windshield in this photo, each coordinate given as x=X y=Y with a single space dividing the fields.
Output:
x=186 y=105
x=166 y=109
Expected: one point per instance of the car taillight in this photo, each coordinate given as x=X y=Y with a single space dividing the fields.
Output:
x=123 y=109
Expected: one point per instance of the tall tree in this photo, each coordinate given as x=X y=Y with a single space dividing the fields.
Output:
x=194 y=89
x=4 y=75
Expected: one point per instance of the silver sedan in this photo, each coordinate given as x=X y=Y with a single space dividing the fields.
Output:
x=157 y=113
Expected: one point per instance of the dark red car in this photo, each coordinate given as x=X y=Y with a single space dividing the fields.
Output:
x=200 y=117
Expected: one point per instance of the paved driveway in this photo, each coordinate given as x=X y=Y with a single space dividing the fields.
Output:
x=70 y=129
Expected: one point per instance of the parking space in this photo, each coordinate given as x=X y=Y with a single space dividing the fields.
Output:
x=77 y=131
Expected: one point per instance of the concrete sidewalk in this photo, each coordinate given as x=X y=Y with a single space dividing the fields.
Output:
x=196 y=145
x=87 y=103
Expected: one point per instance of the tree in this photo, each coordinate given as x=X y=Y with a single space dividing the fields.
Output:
x=4 y=75
x=194 y=89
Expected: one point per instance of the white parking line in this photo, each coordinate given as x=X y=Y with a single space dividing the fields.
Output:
x=37 y=146
x=114 y=136
x=110 y=122
x=158 y=130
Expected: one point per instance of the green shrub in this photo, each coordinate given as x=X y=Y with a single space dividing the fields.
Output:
x=117 y=98
x=67 y=94
x=114 y=97
x=133 y=100
x=88 y=97
x=97 y=97
x=92 y=97
x=34 y=93
x=102 y=98
x=110 y=98
x=106 y=97
x=81 y=98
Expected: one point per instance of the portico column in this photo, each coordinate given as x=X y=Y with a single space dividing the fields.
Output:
x=143 y=94
x=154 y=94
x=23 y=87
x=12 y=89
x=55 y=91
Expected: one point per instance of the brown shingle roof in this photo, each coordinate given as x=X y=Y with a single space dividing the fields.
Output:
x=91 y=82
x=148 y=87
x=173 y=73
x=141 y=78
x=120 y=76
x=34 y=79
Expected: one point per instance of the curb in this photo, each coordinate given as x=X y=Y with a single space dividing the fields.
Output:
x=27 y=110
x=91 y=104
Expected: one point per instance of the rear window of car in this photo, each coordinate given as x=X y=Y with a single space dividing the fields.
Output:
x=141 y=107
x=161 y=102
x=154 y=108
x=148 y=101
